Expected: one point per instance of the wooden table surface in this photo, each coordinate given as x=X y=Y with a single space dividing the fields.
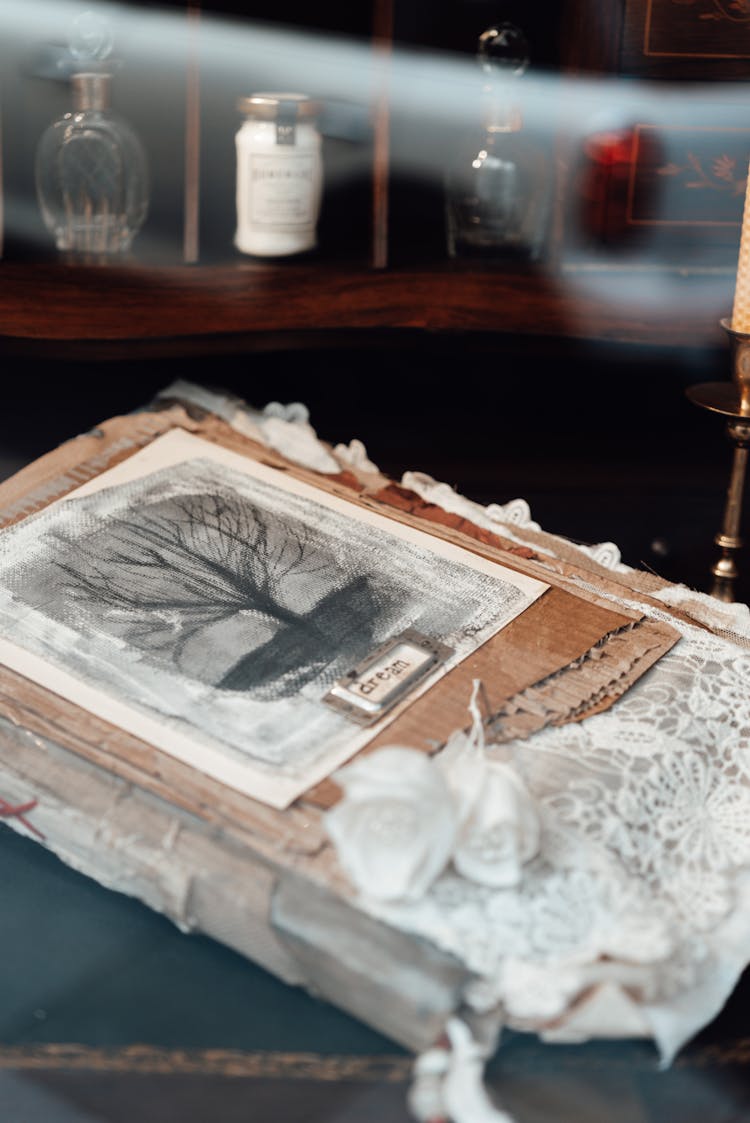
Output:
x=109 y=1014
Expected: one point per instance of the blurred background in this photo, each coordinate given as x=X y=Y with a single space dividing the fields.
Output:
x=523 y=323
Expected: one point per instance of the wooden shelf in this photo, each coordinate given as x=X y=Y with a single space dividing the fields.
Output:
x=125 y=310
x=240 y=304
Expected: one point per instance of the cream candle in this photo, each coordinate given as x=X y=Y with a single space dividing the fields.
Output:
x=741 y=309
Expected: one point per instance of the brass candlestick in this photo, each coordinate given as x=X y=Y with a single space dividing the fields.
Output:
x=732 y=400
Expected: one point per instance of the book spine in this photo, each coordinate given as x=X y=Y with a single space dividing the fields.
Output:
x=135 y=843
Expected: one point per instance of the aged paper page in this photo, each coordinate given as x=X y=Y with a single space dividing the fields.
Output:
x=206 y=603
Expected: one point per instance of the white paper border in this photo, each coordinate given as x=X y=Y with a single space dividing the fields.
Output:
x=278 y=790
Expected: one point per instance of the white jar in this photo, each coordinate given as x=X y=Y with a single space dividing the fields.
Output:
x=279 y=175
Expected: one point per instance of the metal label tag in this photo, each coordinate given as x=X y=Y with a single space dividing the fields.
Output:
x=377 y=683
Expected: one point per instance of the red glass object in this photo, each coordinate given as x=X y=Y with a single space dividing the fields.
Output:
x=604 y=186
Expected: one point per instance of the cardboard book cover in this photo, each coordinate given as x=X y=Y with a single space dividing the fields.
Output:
x=205 y=612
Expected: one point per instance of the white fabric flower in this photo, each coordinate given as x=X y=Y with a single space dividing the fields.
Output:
x=499 y=822
x=396 y=826
x=502 y=832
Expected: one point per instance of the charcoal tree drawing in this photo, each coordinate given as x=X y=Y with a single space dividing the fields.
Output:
x=216 y=607
x=216 y=586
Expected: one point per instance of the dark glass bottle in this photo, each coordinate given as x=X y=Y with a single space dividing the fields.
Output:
x=499 y=192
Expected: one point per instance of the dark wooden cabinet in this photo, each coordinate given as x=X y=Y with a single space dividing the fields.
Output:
x=400 y=88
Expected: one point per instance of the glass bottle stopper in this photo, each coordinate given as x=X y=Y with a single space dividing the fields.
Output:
x=503 y=51
x=91 y=38
x=503 y=55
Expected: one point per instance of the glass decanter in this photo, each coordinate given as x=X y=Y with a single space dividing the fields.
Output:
x=91 y=171
x=499 y=193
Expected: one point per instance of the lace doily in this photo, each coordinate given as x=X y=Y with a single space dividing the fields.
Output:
x=641 y=879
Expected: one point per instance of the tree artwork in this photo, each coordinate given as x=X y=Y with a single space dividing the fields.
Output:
x=223 y=591
x=206 y=603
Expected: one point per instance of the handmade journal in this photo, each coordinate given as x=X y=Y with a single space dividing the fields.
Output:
x=205 y=613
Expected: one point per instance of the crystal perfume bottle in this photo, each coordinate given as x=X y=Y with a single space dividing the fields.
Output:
x=91 y=171
x=499 y=192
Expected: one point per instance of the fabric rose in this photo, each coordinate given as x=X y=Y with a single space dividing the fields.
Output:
x=499 y=827
x=396 y=826
x=502 y=832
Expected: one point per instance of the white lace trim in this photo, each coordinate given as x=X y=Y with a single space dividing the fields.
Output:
x=734 y=619
x=645 y=849
x=502 y=518
x=285 y=428
x=354 y=456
